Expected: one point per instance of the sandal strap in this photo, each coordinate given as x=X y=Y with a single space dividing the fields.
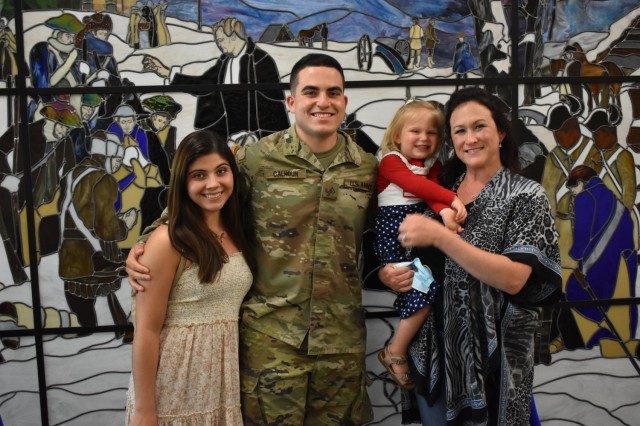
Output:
x=393 y=359
x=397 y=360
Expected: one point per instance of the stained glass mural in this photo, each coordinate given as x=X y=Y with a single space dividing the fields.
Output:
x=107 y=89
x=19 y=391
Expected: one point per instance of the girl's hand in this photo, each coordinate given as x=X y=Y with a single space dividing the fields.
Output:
x=461 y=210
x=449 y=219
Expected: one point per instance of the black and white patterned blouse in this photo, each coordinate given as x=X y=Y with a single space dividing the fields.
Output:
x=488 y=335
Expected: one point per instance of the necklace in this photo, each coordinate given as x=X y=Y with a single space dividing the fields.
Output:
x=219 y=236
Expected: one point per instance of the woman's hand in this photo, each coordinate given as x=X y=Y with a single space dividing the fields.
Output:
x=397 y=278
x=137 y=271
x=420 y=231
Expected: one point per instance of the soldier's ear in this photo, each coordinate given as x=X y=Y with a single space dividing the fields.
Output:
x=291 y=103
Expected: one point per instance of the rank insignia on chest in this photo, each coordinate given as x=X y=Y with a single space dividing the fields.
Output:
x=330 y=190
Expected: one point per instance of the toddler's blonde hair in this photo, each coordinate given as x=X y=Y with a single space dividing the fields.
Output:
x=404 y=113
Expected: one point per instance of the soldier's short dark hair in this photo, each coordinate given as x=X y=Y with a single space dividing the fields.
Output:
x=313 y=60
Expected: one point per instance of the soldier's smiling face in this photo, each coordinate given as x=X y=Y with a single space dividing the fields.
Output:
x=318 y=103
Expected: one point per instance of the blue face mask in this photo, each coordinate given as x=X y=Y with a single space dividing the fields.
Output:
x=422 y=277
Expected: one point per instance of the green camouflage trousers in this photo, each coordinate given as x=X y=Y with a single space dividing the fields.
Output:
x=282 y=385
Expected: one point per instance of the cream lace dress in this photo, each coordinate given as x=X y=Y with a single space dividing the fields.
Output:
x=198 y=380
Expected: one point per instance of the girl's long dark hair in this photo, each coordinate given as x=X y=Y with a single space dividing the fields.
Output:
x=453 y=168
x=188 y=231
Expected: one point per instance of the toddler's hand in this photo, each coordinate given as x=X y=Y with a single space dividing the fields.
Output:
x=460 y=210
x=448 y=216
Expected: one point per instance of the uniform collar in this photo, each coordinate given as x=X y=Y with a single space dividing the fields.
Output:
x=293 y=145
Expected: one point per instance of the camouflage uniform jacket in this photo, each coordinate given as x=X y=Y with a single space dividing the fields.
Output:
x=309 y=225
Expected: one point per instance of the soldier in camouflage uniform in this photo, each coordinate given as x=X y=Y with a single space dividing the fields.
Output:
x=303 y=333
